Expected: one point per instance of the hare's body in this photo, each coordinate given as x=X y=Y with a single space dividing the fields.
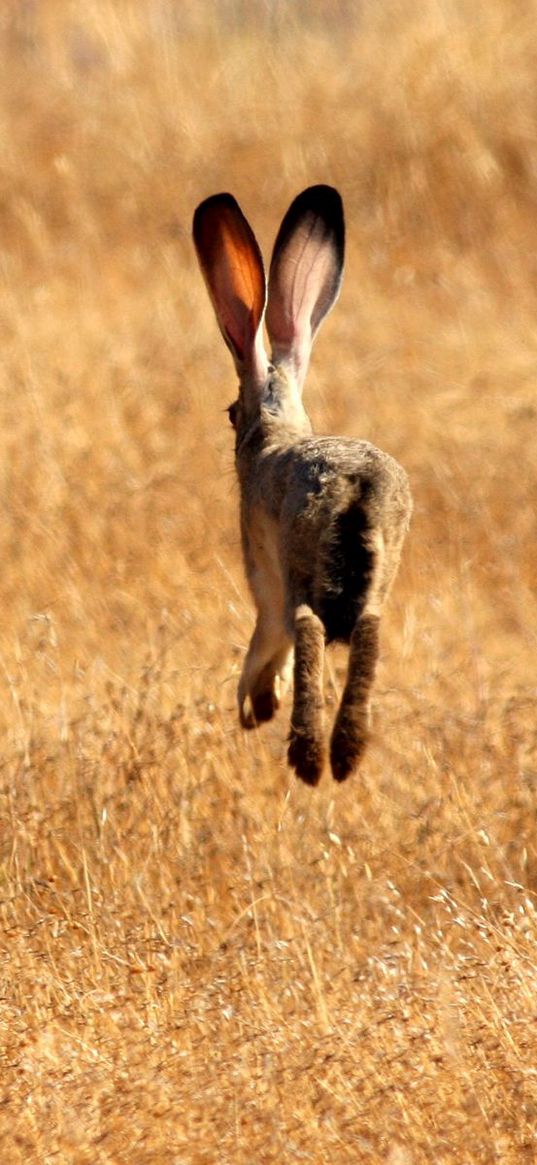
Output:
x=322 y=518
x=326 y=514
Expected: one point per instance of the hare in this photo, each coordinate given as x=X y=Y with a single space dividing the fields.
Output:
x=323 y=519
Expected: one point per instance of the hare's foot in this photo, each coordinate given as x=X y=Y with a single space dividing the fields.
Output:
x=261 y=703
x=306 y=755
x=348 y=743
x=261 y=699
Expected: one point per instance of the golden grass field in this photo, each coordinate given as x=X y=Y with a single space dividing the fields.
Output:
x=203 y=961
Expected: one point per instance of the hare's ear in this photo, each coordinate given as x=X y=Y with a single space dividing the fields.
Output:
x=305 y=274
x=232 y=267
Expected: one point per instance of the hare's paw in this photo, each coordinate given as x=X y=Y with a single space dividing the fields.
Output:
x=348 y=744
x=255 y=710
x=306 y=755
x=265 y=705
x=261 y=704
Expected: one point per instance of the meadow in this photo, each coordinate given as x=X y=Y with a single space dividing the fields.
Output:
x=202 y=960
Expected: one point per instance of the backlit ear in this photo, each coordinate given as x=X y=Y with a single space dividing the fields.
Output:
x=232 y=267
x=305 y=274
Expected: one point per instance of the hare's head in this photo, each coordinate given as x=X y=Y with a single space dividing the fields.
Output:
x=304 y=280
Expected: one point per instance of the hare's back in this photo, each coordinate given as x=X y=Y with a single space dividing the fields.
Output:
x=331 y=472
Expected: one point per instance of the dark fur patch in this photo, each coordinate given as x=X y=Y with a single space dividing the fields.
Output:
x=350 y=734
x=306 y=752
x=347 y=573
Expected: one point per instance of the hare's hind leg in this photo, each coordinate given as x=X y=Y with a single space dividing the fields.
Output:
x=306 y=742
x=351 y=729
x=266 y=671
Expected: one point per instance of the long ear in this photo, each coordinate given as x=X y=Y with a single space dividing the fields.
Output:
x=305 y=274
x=232 y=267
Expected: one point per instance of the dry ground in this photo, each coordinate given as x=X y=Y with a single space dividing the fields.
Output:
x=202 y=960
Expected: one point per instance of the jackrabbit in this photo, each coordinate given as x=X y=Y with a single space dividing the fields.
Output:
x=323 y=519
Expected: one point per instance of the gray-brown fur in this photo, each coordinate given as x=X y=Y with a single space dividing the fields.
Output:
x=323 y=519
x=350 y=732
x=307 y=747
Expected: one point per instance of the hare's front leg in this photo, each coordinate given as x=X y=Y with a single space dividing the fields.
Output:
x=306 y=742
x=266 y=671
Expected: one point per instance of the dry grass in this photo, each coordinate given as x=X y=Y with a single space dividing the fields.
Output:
x=203 y=961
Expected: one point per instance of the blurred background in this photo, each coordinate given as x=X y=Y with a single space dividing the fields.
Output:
x=124 y=614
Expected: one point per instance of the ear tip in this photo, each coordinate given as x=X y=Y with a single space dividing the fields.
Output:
x=216 y=200
x=325 y=204
x=323 y=199
x=216 y=203
x=323 y=193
